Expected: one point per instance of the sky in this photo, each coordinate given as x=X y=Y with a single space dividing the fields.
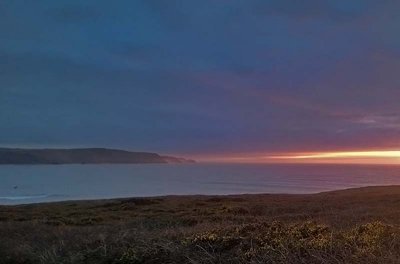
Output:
x=211 y=77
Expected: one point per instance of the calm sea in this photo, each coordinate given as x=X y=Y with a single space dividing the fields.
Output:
x=42 y=183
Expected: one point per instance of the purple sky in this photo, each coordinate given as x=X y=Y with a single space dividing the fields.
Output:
x=193 y=77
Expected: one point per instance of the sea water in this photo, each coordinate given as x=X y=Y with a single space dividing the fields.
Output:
x=20 y=184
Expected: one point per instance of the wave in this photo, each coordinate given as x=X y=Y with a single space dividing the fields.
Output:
x=29 y=197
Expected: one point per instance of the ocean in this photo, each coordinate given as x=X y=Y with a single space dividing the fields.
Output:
x=21 y=184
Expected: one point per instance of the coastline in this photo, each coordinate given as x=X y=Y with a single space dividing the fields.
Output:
x=28 y=200
x=350 y=191
x=355 y=225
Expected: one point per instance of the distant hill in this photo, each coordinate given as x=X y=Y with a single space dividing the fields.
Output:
x=82 y=156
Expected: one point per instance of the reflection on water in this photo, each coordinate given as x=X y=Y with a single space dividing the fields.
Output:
x=26 y=184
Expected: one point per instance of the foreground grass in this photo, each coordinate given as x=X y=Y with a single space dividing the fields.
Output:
x=351 y=226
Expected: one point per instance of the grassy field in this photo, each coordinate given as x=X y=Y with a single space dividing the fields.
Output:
x=350 y=226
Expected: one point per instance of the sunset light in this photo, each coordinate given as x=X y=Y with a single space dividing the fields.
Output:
x=365 y=157
x=337 y=157
x=348 y=154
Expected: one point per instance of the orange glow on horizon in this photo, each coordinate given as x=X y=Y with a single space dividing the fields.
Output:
x=335 y=157
x=344 y=154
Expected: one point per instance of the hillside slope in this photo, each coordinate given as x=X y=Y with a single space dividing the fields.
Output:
x=81 y=156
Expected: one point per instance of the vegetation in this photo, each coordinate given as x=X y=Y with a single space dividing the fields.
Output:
x=82 y=156
x=351 y=226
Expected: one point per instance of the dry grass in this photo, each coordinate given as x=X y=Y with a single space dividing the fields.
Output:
x=352 y=226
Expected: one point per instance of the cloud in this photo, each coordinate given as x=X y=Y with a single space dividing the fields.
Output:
x=381 y=121
x=339 y=11
x=198 y=76
x=75 y=13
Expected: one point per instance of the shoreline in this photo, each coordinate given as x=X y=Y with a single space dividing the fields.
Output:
x=358 y=225
x=181 y=196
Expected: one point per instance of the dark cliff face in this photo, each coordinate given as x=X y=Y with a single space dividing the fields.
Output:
x=80 y=156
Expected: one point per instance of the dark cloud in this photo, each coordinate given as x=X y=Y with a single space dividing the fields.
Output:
x=207 y=76
x=337 y=11
x=75 y=13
